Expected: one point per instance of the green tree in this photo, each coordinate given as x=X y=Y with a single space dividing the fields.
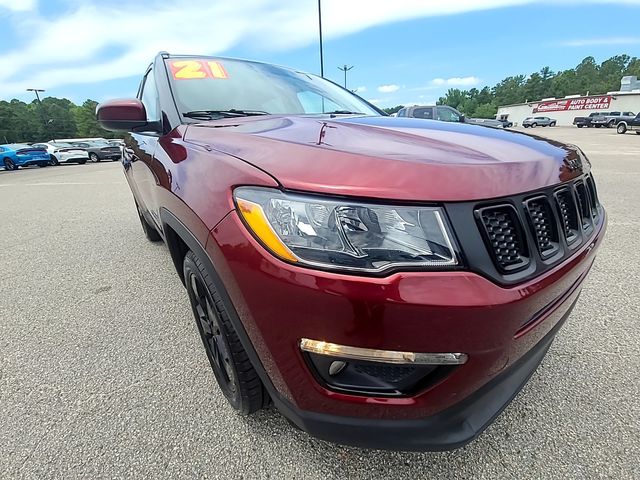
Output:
x=486 y=110
x=86 y=121
x=390 y=110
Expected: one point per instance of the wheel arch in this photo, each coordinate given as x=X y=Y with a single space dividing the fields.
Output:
x=180 y=240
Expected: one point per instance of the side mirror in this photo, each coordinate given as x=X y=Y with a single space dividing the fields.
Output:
x=462 y=119
x=126 y=114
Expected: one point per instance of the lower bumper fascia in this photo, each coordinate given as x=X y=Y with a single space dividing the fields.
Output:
x=447 y=430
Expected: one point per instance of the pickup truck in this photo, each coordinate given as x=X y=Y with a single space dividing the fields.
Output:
x=612 y=119
x=445 y=113
x=629 y=125
x=587 y=121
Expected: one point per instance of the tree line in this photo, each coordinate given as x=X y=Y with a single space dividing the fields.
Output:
x=588 y=77
x=47 y=120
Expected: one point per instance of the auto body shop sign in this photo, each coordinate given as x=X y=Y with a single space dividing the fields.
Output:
x=590 y=103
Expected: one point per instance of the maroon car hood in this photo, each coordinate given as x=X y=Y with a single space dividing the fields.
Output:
x=395 y=158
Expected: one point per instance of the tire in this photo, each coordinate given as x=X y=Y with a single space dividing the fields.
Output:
x=94 y=158
x=597 y=126
x=54 y=161
x=81 y=162
x=579 y=126
x=526 y=126
x=621 y=128
x=611 y=124
x=637 y=132
x=149 y=230
x=9 y=165
x=534 y=125
x=552 y=124
x=42 y=165
x=230 y=363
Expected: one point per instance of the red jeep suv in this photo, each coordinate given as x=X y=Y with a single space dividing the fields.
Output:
x=385 y=282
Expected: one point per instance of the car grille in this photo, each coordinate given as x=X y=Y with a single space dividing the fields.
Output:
x=503 y=234
x=543 y=226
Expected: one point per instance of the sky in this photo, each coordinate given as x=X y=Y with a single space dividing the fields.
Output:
x=402 y=51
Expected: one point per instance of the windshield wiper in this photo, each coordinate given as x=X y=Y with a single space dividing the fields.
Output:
x=223 y=113
x=344 y=112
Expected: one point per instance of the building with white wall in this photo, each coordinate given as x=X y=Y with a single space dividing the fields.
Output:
x=563 y=110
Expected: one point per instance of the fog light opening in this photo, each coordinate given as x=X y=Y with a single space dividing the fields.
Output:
x=336 y=367
x=370 y=372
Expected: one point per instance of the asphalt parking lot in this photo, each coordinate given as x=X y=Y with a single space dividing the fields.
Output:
x=102 y=373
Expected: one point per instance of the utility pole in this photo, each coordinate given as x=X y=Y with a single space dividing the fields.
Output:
x=320 y=32
x=42 y=114
x=345 y=69
x=36 y=91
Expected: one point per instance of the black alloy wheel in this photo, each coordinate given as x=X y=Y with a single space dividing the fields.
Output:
x=9 y=165
x=54 y=161
x=231 y=366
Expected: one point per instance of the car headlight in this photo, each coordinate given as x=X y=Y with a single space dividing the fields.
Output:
x=345 y=235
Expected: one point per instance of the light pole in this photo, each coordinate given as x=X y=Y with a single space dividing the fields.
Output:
x=36 y=91
x=42 y=114
x=345 y=69
x=320 y=33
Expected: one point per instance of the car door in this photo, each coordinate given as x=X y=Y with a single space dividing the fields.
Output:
x=139 y=150
x=447 y=114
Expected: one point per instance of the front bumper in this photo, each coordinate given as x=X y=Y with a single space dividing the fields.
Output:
x=447 y=430
x=505 y=331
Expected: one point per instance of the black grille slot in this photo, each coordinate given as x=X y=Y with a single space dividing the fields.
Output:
x=593 y=196
x=568 y=215
x=584 y=206
x=543 y=225
x=505 y=238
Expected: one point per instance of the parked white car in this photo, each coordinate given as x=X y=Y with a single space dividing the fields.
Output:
x=64 y=153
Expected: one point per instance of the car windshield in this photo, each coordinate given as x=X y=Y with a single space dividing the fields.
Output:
x=63 y=145
x=224 y=87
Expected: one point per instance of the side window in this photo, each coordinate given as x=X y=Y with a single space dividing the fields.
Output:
x=447 y=114
x=402 y=112
x=149 y=97
x=426 y=113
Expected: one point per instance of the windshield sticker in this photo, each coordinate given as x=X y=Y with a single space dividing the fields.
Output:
x=197 y=69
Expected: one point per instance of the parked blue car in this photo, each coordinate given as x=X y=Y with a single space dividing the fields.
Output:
x=14 y=155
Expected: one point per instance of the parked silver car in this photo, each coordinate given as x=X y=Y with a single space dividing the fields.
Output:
x=534 y=122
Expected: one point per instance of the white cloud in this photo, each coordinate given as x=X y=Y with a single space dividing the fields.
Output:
x=388 y=88
x=456 y=81
x=18 y=5
x=589 y=42
x=360 y=89
x=93 y=40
